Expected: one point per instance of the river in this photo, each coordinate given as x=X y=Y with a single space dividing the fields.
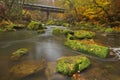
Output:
x=51 y=48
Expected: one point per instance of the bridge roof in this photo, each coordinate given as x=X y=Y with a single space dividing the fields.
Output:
x=44 y=6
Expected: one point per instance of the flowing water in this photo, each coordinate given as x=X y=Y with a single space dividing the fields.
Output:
x=51 y=48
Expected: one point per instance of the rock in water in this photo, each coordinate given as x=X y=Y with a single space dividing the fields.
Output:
x=27 y=68
x=19 y=53
x=51 y=74
x=72 y=64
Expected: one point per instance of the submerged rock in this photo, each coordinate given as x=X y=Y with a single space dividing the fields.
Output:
x=27 y=68
x=51 y=73
x=72 y=64
x=19 y=53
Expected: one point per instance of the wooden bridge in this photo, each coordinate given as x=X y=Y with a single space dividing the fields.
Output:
x=44 y=8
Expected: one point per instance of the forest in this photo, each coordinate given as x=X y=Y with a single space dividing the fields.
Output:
x=59 y=39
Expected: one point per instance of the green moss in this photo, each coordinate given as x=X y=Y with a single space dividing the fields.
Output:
x=41 y=31
x=9 y=27
x=2 y=30
x=70 y=37
x=66 y=25
x=72 y=64
x=57 y=31
x=33 y=25
x=50 y=22
x=19 y=53
x=93 y=49
x=81 y=34
x=109 y=30
x=62 y=31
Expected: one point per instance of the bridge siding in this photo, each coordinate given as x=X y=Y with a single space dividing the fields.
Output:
x=44 y=8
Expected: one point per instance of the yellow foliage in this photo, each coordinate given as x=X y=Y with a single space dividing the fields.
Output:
x=24 y=12
x=4 y=22
x=103 y=2
x=90 y=13
x=116 y=28
x=61 y=15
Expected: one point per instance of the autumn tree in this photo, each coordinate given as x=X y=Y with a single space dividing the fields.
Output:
x=13 y=8
x=2 y=9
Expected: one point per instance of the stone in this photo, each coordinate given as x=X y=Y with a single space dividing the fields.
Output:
x=51 y=73
x=26 y=68
x=72 y=64
x=41 y=31
x=19 y=53
x=33 y=25
x=88 y=48
x=82 y=34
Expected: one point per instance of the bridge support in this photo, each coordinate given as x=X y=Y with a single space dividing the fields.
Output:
x=48 y=14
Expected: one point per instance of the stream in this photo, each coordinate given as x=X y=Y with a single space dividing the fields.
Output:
x=51 y=48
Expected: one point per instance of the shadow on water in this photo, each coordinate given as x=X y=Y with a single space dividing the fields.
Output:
x=51 y=48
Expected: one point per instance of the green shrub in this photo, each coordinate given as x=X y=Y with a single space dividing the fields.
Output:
x=81 y=34
x=93 y=49
x=72 y=64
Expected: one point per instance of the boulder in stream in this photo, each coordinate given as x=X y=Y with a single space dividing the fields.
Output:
x=41 y=31
x=51 y=73
x=26 y=68
x=19 y=53
x=34 y=25
x=88 y=47
x=82 y=34
x=72 y=64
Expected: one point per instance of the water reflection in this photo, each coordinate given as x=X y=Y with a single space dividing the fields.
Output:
x=50 y=50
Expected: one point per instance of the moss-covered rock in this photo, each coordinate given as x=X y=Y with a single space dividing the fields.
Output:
x=93 y=49
x=26 y=68
x=41 y=31
x=81 y=34
x=19 y=53
x=50 y=22
x=33 y=25
x=2 y=30
x=62 y=31
x=109 y=30
x=66 y=25
x=9 y=27
x=70 y=37
x=72 y=64
x=57 y=31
